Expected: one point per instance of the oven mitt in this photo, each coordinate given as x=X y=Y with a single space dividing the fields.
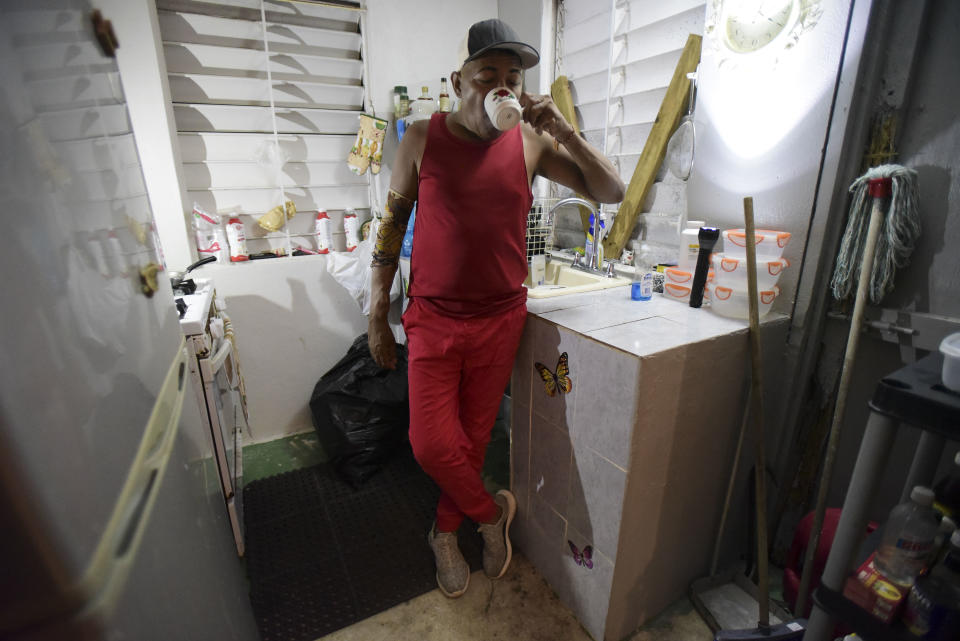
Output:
x=368 y=146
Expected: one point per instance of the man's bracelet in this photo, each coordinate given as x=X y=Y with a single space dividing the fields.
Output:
x=565 y=138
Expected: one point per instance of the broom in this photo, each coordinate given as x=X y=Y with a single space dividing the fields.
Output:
x=875 y=243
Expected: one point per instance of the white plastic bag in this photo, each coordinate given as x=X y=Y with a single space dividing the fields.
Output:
x=352 y=270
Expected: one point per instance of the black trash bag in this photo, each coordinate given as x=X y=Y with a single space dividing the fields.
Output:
x=361 y=412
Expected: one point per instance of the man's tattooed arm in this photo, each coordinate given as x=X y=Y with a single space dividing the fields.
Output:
x=393 y=226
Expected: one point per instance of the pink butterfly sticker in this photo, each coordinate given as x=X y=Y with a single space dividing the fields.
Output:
x=584 y=558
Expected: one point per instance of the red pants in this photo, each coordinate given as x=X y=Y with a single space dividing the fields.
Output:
x=457 y=372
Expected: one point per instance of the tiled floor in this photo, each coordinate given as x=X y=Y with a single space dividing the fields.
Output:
x=519 y=606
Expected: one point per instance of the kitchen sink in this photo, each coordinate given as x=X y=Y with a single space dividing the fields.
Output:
x=562 y=279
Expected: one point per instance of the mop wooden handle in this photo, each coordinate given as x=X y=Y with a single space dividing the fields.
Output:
x=880 y=189
x=756 y=411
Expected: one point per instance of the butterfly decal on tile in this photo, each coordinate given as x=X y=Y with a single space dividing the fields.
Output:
x=560 y=379
x=584 y=558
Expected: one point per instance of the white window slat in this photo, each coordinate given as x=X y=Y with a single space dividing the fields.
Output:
x=588 y=61
x=201 y=147
x=224 y=90
x=663 y=36
x=586 y=34
x=259 y=201
x=244 y=175
x=231 y=61
x=644 y=12
x=582 y=10
x=302 y=13
x=652 y=73
x=190 y=28
x=232 y=118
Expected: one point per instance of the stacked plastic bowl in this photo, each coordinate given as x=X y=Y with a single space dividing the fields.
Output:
x=728 y=288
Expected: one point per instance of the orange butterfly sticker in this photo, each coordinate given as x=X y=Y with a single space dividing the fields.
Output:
x=559 y=379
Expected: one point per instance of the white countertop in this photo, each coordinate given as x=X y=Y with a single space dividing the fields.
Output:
x=637 y=327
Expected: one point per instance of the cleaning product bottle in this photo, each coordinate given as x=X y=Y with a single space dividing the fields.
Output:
x=908 y=538
x=237 y=240
x=351 y=228
x=588 y=245
x=324 y=232
x=933 y=605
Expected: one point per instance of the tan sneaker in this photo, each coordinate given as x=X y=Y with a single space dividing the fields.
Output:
x=497 y=550
x=453 y=572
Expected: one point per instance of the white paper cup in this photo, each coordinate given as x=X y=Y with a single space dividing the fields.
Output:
x=503 y=108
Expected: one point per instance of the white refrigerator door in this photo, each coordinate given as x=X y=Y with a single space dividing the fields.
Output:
x=85 y=352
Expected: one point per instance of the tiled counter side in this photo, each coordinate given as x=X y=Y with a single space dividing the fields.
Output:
x=634 y=460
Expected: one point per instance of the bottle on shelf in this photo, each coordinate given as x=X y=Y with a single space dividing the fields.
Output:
x=933 y=605
x=351 y=228
x=406 y=248
x=399 y=110
x=404 y=104
x=690 y=245
x=444 y=96
x=324 y=232
x=908 y=538
x=424 y=105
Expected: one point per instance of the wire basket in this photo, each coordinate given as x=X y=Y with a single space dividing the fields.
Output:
x=540 y=228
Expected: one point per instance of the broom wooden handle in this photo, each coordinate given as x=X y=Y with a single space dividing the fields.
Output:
x=756 y=411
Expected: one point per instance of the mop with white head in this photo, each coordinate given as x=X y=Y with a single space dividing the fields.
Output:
x=898 y=236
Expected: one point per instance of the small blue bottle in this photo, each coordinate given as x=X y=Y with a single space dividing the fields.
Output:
x=642 y=287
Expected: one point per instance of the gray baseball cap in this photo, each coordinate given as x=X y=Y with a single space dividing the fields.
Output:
x=495 y=34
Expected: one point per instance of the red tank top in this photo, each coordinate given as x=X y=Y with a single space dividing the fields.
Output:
x=469 y=241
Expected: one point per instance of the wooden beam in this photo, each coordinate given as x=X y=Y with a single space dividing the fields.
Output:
x=671 y=110
x=563 y=98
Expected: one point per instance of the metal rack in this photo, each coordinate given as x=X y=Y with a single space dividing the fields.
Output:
x=540 y=228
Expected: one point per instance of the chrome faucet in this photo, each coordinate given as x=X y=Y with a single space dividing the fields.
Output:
x=593 y=262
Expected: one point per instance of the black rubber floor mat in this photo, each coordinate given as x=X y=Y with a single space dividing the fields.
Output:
x=322 y=555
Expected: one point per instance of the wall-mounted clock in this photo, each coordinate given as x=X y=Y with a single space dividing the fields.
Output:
x=749 y=25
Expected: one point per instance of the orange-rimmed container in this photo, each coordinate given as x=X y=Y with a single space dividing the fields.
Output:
x=731 y=271
x=682 y=276
x=770 y=243
x=734 y=303
x=681 y=293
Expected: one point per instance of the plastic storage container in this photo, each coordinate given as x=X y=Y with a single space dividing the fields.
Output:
x=770 y=244
x=735 y=303
x=908 y=538
x=732 y=271
x=950 y=348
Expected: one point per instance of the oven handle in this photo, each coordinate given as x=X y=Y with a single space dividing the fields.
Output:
x=220 y=357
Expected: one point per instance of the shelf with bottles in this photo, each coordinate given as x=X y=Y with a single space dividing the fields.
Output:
x=296 y=235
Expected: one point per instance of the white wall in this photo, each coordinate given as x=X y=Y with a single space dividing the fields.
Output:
x=293 y=321
x=761 y=122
